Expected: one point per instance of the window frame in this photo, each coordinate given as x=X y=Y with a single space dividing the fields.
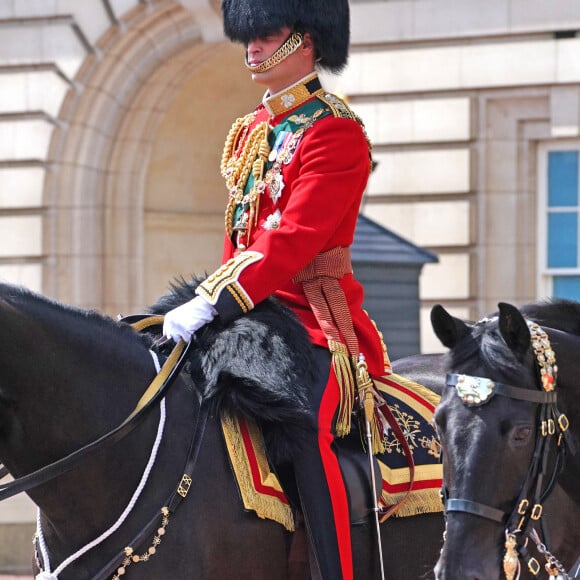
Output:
x=545 y=275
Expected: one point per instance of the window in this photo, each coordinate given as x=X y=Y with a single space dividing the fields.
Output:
x=559 y=221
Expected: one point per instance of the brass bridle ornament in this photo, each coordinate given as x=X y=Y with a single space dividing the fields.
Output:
x=550 y=437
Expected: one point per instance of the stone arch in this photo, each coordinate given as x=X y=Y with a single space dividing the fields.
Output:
x=106 y=211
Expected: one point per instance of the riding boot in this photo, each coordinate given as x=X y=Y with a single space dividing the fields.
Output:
x=320 y=484
x=324 y=553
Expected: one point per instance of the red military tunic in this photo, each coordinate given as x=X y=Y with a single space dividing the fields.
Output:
x=296 y=169
x=304 y=201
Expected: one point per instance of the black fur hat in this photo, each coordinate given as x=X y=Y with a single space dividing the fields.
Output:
x=328 y=21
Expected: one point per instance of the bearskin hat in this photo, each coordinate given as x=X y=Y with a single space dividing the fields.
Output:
x=328 y=22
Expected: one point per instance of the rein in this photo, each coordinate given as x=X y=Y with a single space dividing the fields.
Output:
x=164 y=378
x=169 y=507
x=539 y=482
x=152 y=395
x=42 y=549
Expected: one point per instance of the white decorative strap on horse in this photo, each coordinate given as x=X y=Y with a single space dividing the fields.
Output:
x=47 y=574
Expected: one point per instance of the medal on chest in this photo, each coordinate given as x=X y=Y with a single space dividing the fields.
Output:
x=252 y=168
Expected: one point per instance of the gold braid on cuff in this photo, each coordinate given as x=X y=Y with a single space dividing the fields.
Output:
x=290 y=45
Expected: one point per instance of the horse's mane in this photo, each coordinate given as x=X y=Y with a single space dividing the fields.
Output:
x=485 y=344
x=40 y=308
x=260 y=366
x=558 y=313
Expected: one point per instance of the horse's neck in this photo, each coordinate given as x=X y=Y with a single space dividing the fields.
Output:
x=80 y=506
x=569 y=403
x=562 y=514
x=571 y=475
x=427 y=370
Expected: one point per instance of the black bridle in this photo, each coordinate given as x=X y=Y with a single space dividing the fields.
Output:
x=547 y=402
x=148 y=401
x=547 y=458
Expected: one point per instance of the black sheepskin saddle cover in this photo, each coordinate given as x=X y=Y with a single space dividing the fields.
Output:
x=259 y=366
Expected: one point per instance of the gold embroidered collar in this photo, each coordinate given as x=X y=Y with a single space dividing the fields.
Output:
x=293 y=96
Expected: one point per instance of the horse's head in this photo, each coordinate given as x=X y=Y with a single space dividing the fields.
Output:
x=66 y=375
x=488 y=421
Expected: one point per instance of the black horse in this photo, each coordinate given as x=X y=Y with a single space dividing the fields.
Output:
x=510 y=472
x=68 y=376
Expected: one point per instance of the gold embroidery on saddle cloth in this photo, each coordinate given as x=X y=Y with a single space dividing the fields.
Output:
x=428 y=477
x=266 y=506
x=269 y=506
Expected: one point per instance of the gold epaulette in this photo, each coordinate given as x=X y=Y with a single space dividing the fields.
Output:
x=340 y=109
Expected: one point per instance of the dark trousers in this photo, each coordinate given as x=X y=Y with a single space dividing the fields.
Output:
x=320 y=483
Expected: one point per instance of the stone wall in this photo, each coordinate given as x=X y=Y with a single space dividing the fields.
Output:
x=458 y=98
x=113 y=114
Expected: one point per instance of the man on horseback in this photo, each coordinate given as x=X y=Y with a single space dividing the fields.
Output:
x=296 y=169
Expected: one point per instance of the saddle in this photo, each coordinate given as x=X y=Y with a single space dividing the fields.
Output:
x=404 y=487
x=411 y=404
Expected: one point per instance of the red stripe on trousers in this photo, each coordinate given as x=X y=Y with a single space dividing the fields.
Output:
x=338 y=497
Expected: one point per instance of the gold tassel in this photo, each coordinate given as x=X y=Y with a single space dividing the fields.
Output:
x=366 y=396
x=342 y=367
x=511 y=562
x=378 y=438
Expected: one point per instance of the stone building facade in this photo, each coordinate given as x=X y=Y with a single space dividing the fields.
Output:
x=113 y=115
x=474 y=109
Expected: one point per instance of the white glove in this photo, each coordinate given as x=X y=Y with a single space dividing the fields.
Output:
x=183 y=321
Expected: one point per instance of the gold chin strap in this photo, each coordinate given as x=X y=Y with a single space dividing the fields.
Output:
x=289 y=46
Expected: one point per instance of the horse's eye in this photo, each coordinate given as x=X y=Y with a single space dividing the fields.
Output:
x=522 y=434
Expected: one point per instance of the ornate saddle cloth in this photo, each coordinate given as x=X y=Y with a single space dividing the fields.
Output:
x=411 y=404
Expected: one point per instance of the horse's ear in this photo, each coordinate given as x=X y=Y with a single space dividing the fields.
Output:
x=448 y=329
x=514 y=328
